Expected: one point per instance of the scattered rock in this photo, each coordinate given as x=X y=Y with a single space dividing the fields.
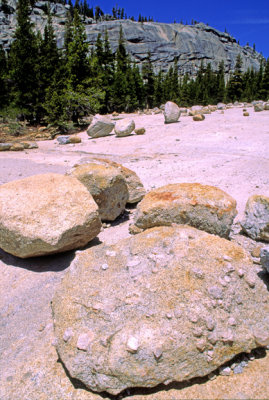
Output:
x=124 y=127
x=221 y=106
x=256 y=221
x=115 y=114
x=46 y=214
x=246 y=114
x=63 y=139
x=74 y=139
x=106 y=185
x=5 y=146
x=140 y=131
x=171 y=112
x=198 y=117
x=133 y=342
x=135 y=187
x=204 y=207
x=266 y=106
x=100 y=126
x=258 y=107
x=17 y=147
x=256 y=252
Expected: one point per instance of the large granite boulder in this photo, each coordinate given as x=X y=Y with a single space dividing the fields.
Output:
x=171 y=112
x=204 y=207
x=136 y=190
x=169 y=304
x=256 y=220
x=106 y=185
x=124 y=127
x=46 y=214
x=100 y=126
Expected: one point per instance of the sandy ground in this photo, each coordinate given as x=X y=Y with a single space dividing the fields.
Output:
x=225 y=150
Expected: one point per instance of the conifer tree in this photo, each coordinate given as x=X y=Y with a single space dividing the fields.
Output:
x=265 y=82
x=48 y=62
x=149 y=81
x=23 y=66
x=235 y=84
x=3 y=79
x=220 y=83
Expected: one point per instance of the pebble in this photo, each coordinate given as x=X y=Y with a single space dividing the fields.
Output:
x=232 y=321
x=67 y=334
x=225 y=371
x=84 y=340
x=241 y=273
x=104 y=267
x=132 y=344
x=169 y=316
x=212 y=376
x=238 y=369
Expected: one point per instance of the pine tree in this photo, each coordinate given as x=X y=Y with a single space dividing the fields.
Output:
x=265 y=82
x=3 y=79
x=48 y=62
x=220 y=84
x=77 y=54
x=149 y=81
x=23 y=66
x=235 y=84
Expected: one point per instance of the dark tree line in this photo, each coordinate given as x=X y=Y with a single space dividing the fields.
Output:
x=41 y=83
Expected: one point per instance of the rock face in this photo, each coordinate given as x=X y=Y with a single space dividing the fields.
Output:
x=100 y=126
x=169 y=304
x=46 y=214
x=136 y=190
x=171 y=112
x=190 y=44
x=204 y=207
x=124 y=127
x=106 y=185
x=256 y=221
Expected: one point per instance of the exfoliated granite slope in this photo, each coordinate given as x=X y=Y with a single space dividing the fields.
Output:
x=189 y=43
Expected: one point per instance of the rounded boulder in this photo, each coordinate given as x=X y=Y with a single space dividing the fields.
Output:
x=46 y=214
x=171 y=112
x=204 y=207
x=106 y=185
x=169 y=304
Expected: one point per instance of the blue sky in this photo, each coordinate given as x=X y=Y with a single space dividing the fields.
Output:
x=246 y=20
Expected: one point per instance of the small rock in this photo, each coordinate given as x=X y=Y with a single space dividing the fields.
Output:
x=132 y=344
x=225 y=371
x=84 y=341
x=124 y=127
x=198 y=117
x=17 y=147
x=238 y=369
x=140 y=131
x=63 y=139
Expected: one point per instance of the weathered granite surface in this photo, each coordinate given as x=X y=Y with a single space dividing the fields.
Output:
x=190 y=44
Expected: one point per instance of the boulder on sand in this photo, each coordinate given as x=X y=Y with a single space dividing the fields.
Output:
x=169 y=304
x=100 y=126
x=46 y=214
x=204 y=207
x=124 y=127
x=171 y=112
x=106 y=185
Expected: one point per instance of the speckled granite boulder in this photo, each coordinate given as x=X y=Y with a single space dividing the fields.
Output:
x=100 y=126
x=135 y=187
x=256 y=221
x=107 y=186
x=171 y=112
x=169 y=304
x=204 y=207
x=124 y=127
x=46 y=214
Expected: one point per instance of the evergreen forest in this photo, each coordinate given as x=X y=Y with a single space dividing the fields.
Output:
x=40 y=83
